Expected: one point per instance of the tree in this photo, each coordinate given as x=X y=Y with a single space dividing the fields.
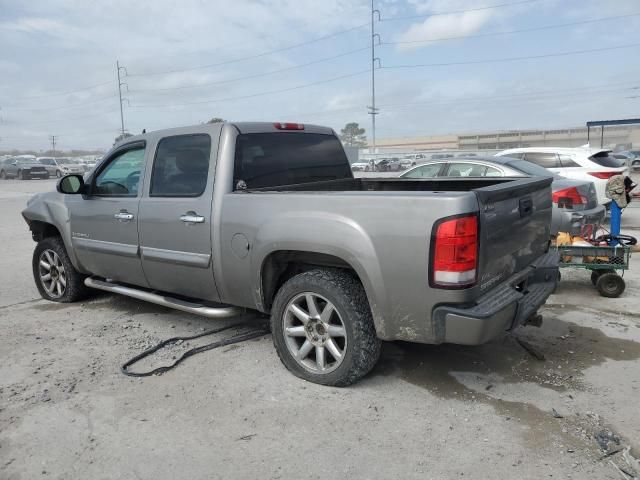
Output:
x=353 y=136
x=122 y=136
x=216 y=120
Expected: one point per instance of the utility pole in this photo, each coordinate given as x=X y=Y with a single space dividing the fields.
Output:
x=120 y=84
x=373 y=111
x=53 y=139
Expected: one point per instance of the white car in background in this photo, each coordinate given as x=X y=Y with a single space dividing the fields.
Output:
x=596 y=165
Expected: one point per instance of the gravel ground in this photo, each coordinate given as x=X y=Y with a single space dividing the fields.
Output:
x=425 y=412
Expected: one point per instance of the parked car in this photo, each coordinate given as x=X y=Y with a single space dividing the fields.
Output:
x=439 y=156
x=269 y=217
x=575 y=202
x=60 y=166
x=23 y=167
x=634 y=158
x=359 y=166
x=590 y=164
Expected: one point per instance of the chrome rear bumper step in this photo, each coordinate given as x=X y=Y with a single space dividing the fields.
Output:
x=163 y=300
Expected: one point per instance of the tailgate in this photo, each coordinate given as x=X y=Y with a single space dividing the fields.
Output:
x=515 y=219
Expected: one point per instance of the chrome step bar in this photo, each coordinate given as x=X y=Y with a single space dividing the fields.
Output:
x=165 y=301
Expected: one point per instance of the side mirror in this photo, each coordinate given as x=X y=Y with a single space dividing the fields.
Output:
x=71 y=184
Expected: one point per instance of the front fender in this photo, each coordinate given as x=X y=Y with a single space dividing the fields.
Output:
x=325 y=233
x=51 y=208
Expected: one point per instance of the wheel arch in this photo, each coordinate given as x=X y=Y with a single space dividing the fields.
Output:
x=278 y=266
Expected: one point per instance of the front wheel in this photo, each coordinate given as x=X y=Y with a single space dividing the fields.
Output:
x=3 y=175
x=323 y=329
x=55 y=276
x=595 y=274
x=58 y=174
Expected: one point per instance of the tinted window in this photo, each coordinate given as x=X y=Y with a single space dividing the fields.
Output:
x=424 y=171
x=605 y=160
x=530 y=168
x=181 y=166
x=468 y=170
x=567 y=160
x=121 y=176
x=514 y=155
x=287 y=158
x=546 y=160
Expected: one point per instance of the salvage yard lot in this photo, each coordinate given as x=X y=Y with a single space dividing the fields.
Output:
x=425 y=411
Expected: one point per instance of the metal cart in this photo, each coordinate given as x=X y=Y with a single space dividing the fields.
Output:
x=604 y=263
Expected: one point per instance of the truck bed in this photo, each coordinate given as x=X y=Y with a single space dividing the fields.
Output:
x=482 y=186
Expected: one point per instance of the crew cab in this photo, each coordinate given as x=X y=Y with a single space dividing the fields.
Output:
x=217 y=218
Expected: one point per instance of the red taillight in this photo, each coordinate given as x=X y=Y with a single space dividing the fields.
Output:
x=568 y=197
x=603 y=175
x=289 y=126
x=455 y=252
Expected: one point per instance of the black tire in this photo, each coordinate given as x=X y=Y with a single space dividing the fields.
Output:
x=58 y=174
x=3 y=175
x=75 y=288
x=610 y=285
x=346 y=293
x=595 y=274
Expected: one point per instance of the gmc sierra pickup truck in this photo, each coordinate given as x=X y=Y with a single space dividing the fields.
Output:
x=217 y=218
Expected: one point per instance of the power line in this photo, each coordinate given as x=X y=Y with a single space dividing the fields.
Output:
x=512 y=59
x=297 y=87
x=539 y=95
x=508 y=32
x=257 y=75
x=250 y=57
x=68 y=92
x=452 y=12
x=64 y=107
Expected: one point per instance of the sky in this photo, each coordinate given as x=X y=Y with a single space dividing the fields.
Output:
x=445 y=66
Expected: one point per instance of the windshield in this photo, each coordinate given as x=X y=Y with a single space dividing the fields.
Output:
x=25 y=160
x=531 y=168
x=604 y=159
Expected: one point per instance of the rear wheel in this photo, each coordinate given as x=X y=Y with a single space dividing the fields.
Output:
x=323 y=329
x=595 y=274
x=610 y=285
x=3 y=175
x=55 y=276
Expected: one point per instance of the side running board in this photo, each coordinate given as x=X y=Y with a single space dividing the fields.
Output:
x=165 y=301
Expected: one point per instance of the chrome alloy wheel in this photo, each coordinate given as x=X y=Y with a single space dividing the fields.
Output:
x=314 y=333
x=52 y=274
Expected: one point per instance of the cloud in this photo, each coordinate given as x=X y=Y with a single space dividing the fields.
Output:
x=443 y=26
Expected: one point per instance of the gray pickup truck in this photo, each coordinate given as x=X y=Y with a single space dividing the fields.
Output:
x=214 y=219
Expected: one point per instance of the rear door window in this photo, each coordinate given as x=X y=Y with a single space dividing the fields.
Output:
x=604 y=159
x=288 y=158
x=517 y=155
x=425 y=171
x=567 y=160
x=546 y=160
x=181 y=166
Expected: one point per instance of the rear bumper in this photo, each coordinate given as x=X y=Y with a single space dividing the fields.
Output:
x=505 y=307
x=572 y=222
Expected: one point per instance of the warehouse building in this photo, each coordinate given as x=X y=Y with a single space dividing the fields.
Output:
x=614 y=137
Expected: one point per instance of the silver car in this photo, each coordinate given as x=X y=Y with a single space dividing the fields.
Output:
x=61 y=166
x=575 y=202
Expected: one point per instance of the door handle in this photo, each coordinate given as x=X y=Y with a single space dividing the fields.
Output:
x=123 y=215
x=192 y=217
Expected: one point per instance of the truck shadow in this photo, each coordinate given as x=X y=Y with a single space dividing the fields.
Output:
x=568 y=350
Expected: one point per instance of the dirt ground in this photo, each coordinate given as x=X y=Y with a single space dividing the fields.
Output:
x=427 y=412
